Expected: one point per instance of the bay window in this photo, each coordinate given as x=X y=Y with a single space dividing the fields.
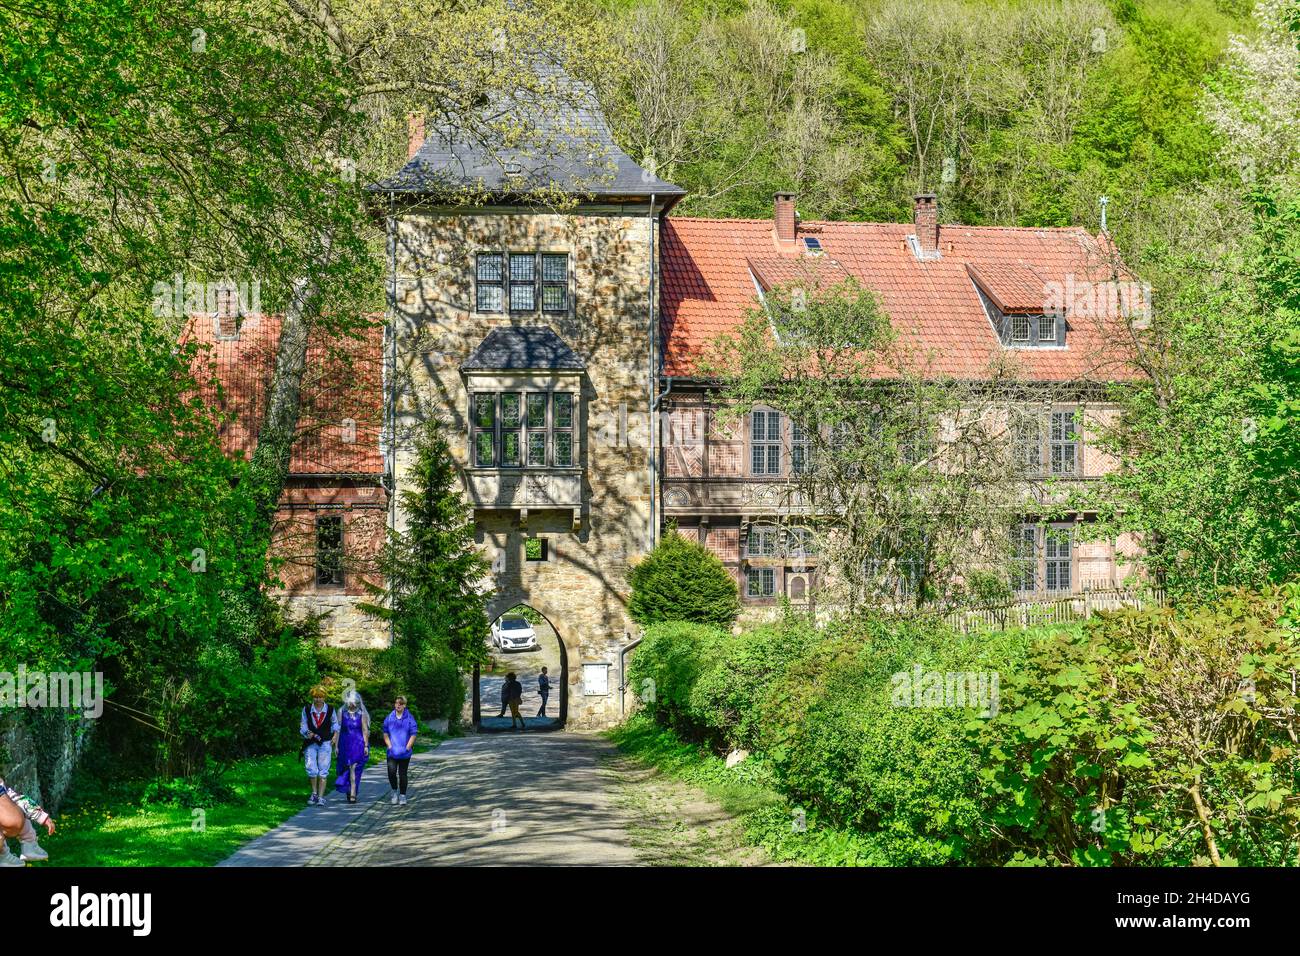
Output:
x=518 y=428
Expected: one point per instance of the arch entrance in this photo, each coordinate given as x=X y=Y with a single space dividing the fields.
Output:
x=523 y=640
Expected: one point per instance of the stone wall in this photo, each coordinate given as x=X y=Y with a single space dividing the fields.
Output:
x=363 y=507
x=39 y=750
x=582 y=586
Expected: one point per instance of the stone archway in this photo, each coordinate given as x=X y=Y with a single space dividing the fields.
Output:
x=552 y=653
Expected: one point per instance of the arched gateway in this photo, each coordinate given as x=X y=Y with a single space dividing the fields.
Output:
x=523 y=650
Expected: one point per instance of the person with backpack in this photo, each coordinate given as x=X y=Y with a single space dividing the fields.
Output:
x=17 y=814
x=505 y=697
x=513 y=693
x=544 y=690
x=320 y=732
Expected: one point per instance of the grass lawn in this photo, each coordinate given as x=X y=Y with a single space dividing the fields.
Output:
x=115 y=826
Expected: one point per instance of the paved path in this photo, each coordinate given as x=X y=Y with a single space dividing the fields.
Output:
x=483 y=800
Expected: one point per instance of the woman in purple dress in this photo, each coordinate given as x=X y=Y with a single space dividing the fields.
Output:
x=354 y=744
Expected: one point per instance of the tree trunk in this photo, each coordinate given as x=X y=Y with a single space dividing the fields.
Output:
x=1204 y=815
x=270 y=464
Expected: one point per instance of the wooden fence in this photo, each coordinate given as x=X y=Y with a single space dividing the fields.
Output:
x=1075 y=607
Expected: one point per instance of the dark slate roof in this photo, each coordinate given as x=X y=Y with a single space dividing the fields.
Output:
x=446 y=162
x=523 y=347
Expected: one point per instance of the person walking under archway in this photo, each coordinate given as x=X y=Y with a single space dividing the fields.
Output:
x=505 y=696
x=544 y=691
x=514 y=695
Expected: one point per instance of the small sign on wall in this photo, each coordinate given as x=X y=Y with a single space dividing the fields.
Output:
x=595 y=679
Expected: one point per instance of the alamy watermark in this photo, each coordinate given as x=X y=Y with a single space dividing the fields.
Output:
x=61 y=690
x=183 y=297
x=935 y=689
x=1099 y=300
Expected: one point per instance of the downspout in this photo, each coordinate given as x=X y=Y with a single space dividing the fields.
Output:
x=622 y=675
x=654 y=440
x=654 y=384
x=390 y=413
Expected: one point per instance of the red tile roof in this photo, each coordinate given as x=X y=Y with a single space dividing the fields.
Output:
x=343 y=381
x=813 y=271
x=708 y=286
x=1011 y=286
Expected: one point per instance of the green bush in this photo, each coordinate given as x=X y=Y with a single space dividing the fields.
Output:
x=236 y=702
x=681 y=580
x=726 y=698
x=436 y=688
x=208 y=788
x=849 y=741
x=666 y=665
x=1156 y=737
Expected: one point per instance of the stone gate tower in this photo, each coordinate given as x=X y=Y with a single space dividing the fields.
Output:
x=529 y=329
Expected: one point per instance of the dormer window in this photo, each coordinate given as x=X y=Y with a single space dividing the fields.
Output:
x=1018 y=303
x=1028 y=331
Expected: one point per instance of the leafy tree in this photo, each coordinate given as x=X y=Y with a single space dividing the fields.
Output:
x=434 y=572
x=129 y=155
x=906 y=477
x=682 y=580
x=1209 y=438
x=149 y=151
x=737 y=103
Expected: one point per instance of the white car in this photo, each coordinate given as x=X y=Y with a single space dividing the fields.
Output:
x=514 y=634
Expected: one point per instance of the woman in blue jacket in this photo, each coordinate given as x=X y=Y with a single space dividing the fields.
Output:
x=400 y=729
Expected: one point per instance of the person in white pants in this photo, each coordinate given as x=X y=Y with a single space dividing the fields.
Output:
x=320 y=732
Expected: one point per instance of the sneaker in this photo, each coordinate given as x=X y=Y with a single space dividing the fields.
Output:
x=401 y=800
x=34 y=853
x=321 y=801
x=394 y=801
x=8 y=859
x=311 y=801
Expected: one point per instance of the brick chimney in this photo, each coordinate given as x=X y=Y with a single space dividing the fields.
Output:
x=785 y=221
x=925 y=216
x=414 y=134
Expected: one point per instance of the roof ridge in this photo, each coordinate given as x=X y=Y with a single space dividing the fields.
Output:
x=676 y=218
x=862 y=222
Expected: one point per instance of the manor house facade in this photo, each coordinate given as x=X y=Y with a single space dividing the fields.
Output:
x=559 y=345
